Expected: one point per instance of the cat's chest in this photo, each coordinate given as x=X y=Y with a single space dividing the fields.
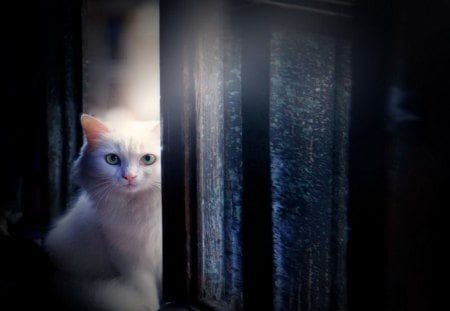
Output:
x=133 y=245
x=132 y=232
x=131 y=235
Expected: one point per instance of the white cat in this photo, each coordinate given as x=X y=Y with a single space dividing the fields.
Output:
x=108 y=245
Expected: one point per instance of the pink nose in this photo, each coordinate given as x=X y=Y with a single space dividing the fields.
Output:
x=129 y=177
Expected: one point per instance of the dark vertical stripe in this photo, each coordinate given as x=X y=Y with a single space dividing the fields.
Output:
x=54 y=98
x=173 y=101
x=367 y=170
x=256 y=213
x=72 y=91
x=338 y=250
x=63 y=100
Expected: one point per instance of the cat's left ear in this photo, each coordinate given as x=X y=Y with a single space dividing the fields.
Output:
x=92 y=128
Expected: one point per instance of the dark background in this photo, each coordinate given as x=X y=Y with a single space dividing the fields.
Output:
x=412 y=154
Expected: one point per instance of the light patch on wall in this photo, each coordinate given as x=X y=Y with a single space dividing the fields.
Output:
x=121 y=59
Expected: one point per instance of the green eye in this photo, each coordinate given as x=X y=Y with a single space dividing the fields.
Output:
x=148 y=159
x=112 y=159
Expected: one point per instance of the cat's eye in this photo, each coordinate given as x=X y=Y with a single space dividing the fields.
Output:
x=148 y=159
x=112 y=159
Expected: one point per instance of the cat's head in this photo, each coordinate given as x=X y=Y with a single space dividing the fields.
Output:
x=119 y=158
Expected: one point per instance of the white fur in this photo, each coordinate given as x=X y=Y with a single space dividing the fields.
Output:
x=108 y=244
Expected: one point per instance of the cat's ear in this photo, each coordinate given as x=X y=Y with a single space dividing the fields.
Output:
x=92 y=128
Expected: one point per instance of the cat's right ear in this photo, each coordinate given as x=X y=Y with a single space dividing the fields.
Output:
x=92 y=128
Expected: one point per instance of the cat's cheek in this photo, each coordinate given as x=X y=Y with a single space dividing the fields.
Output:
x=154 y=171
